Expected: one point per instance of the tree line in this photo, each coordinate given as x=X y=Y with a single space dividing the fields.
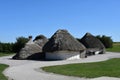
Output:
x=13 y=47
x=106 y=40
x=20 y=43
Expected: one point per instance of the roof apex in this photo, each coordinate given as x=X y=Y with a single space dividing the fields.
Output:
x=88 y=34
x=63 y=40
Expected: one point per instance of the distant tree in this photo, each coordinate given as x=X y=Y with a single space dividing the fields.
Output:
x=1 y=48
x=19 y=44
x=106 y=40
x=6 y=47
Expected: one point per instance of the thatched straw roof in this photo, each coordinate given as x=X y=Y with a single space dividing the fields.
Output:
x=40 y=40
x=91 y=41
x=32 y=50
x=62 y=40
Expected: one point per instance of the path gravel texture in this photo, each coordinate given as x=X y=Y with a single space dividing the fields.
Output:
x=30 y=70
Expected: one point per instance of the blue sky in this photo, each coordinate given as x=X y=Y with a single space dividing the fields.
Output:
x=34 y=17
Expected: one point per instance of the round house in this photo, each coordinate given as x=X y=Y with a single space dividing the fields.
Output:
x=93 y=45
x=32 y=49
x=62 y=45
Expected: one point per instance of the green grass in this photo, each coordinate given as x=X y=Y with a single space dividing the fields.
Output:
x=5 y=54
x=109 y=68
x=2 y=68
x=116 y=47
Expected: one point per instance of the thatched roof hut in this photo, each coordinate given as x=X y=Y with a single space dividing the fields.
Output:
x=62 y=45
x=32 y=49
x=40 y=40
x=92 y=44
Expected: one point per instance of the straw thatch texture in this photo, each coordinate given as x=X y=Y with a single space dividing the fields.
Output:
x=32 y=50
x=92 y=43
x=40 y=40
x=63 y=41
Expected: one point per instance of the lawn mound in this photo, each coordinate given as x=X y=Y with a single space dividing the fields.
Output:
x=110 y=68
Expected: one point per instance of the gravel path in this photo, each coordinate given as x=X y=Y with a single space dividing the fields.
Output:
x=29 y=70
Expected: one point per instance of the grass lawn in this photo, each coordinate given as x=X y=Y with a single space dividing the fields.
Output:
x=116 y=47
x=109 y=68
x=2 y=67
x=5 y=54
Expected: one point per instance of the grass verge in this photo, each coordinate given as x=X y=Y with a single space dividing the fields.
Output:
x=109 y=68
x=115 y=48
x=2 y=68
x=5 y=54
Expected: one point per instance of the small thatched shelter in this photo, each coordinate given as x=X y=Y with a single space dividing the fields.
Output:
x=93 y=45
x=32 y=49
x=40 y=40
x=63 y=45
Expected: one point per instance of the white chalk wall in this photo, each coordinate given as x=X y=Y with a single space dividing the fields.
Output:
x=63 y=55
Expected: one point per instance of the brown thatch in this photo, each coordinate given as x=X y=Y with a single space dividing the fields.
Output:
x=28 y=51
x=63 y=41
x=40 y=40
x=32 y=50
x=92 y=42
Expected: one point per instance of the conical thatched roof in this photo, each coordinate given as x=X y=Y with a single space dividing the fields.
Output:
x=40 y=40
x=32 y=50
x=62 y=40
x=91 y=41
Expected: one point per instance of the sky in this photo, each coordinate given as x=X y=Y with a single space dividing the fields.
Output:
x=35 y=17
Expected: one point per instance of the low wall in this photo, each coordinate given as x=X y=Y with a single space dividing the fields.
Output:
x=63 y=55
